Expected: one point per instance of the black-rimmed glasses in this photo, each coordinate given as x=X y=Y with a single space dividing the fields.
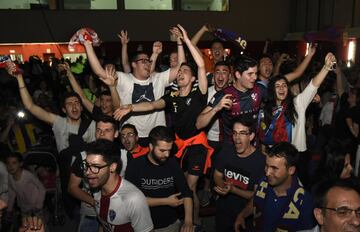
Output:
x=144 y=61
x=344 y=211
x=93 y=168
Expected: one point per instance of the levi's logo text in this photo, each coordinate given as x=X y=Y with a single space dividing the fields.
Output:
x=237 y=178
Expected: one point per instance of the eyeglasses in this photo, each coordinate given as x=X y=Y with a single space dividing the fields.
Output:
x=93 y=168
x=144 y=61
x=241 y=133
x=344 y=211
x=128 y=135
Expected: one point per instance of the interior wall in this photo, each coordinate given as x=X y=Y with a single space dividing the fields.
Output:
x=254 y=20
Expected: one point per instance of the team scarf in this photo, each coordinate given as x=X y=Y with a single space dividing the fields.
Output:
x=279 y=130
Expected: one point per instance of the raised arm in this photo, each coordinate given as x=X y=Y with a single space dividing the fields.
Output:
x=339 y=81
x=157 y=49
x=197 y=56
x=139 y=107
x=303 y=65
x=124 y=39
x=37 y=111
x=181 y=55
x=94 y=61
x=330 y=60
x=196 y=38
x=76 y=87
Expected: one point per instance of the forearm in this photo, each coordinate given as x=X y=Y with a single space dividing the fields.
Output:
x=299 y=69
x=81 y=195
x=153 y=58
x=188 y=206
x=196 y=38
x=24 y=93
x=76 y=87
x=319 y=78
x=151 y=201
x=204 y=118
x=93 y=60
x=115 y=97
x=218 y=179
x=248 y=210
x=125 y=59
x=339 y=83
x=242 y=193
x=148 y=106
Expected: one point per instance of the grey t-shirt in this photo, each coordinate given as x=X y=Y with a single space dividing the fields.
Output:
x=62 y=129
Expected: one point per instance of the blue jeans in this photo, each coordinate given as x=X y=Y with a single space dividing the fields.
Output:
x=88 y=224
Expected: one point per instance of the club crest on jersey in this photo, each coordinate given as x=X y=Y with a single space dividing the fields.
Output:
x=188 y=101
x=112 y=215
x=254 y=96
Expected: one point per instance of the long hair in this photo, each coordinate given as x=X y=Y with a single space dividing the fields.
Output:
x=290 y=111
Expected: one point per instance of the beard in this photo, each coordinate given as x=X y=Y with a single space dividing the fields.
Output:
x=157 y=159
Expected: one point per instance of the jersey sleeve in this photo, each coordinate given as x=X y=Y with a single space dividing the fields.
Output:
x=216 y=99
x=140 y=213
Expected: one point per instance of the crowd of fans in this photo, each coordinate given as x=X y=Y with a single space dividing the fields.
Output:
x=145 y=144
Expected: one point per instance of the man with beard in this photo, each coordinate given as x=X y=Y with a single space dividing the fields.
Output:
x=106 y=128
x=119 y=205
x=280 y=202
x=236 y=173
x=184 y=105
x=129 y=139
x=161 y=179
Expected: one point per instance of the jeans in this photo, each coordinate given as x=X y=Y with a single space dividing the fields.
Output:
x=88 y=224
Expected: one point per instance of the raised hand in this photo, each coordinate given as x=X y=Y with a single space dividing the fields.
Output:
x=176 y=32
x=183 y=32
x=123 y=36
x=330 y=62
x=111 y=77
x=157 y=47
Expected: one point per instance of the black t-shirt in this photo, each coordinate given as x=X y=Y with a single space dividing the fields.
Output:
x=96 y=113
x=185 y=110
x=243 y=173
x=159 y=181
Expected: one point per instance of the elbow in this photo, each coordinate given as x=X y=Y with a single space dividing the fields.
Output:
x=199 y=125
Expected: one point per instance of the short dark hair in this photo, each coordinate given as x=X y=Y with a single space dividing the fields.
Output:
x=265 y=55
x=15 y=155
x=136 y=55
x=105 y=148
x=130 y=126
x=285 y=150
x=107 y=119
x=192 y=66
x=245 y=121
x=222 y=63
x=243 y=63
x=214 y=41
x=68 y=95
x=161 y=133
x=322 y=189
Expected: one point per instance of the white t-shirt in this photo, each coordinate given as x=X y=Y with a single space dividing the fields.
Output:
x=62 y=129
x=127 y=204
x=132 y=91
